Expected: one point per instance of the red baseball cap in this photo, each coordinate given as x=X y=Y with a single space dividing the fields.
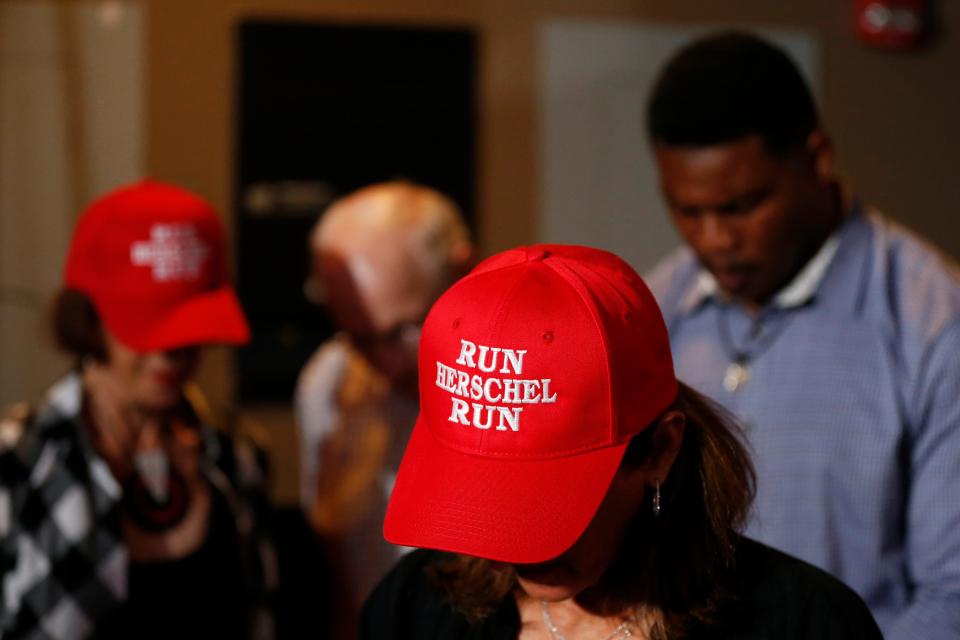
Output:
x=536 y=370
x=151 y=258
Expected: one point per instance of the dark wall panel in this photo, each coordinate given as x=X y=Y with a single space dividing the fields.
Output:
x=325 y=109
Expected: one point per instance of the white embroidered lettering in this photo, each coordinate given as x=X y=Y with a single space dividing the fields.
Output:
x=442 y=376
x=489 y=397
x=467 y=349
x=545 y=396
x=514 y=359
x=463 y=380
x=174 y=252
x=531 y=391
x=509 y=418
x=476 y=387
x=459 y=411
x=488 y=393
x=478 y=410
x=511 y=391
x=488 y=367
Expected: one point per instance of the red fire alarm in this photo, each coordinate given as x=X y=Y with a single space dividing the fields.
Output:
x=891 y=24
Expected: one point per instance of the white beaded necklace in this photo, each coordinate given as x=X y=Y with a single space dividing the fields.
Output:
x=624 y=630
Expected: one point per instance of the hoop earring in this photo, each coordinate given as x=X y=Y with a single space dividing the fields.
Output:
x=656 y=500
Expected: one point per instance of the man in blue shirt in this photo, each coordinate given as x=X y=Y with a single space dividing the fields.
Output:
x=831 y=332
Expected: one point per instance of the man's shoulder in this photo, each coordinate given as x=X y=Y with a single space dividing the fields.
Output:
x=337 y=379
x=913 y=281
x=319 y=383
x=336 y=365
x=329 y=362
x=914 y=254
x=334 y=362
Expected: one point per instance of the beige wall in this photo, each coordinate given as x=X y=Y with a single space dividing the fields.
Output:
x=70 y=128
x=894 y=116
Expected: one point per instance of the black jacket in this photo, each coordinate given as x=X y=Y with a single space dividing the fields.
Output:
x=779 y=598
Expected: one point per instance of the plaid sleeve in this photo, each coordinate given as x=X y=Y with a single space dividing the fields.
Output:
x=8 y=556
x=63 y=569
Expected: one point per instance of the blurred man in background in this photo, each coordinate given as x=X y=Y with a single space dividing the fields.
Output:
x=833 y=333
x=381 y=257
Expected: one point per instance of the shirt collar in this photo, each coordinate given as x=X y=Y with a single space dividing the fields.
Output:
x=798 y=292
x=805 y=284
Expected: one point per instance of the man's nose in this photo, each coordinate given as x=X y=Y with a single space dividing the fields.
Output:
x=717 y=234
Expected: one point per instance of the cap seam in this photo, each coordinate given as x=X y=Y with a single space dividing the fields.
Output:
x=495 y=323
x=623 y=298
x=610 y=284
x=566 y=274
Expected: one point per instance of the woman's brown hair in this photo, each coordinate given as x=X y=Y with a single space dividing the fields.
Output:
x=76 y=325
x=676 y=567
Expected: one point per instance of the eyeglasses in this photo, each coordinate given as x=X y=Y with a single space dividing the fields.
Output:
x=403 y=335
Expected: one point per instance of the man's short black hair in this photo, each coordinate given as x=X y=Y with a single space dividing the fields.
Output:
x=729 y=85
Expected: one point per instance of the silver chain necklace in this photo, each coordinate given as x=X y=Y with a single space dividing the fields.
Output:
x=760 y=338
x=623 y=630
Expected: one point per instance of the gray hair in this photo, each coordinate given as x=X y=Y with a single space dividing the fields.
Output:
x=428 y=222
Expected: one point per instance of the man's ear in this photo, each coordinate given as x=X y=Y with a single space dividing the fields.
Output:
x=820 y=151
x=665 y=444
x=463 y=258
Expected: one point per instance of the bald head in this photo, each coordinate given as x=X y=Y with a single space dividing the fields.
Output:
x=409 y=220
x=383 y=255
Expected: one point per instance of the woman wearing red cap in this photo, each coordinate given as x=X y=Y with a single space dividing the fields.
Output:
x=563 y=484
x=122 y=515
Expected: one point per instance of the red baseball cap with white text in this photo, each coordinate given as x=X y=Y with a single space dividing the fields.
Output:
x=536 y=370
x=151 y=258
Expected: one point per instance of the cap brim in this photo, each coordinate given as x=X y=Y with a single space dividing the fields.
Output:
x=505 y=510
x=213 y=317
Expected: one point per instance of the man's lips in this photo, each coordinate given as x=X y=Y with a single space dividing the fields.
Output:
x=732 y=280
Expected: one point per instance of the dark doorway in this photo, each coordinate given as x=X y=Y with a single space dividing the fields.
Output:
x=322 y=110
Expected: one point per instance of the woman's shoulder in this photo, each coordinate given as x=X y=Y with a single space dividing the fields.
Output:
x=780 y=596
x=408 y=604
x=404 y=591
x=410 y=571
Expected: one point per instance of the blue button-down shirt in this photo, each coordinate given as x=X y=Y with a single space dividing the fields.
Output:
x=851 y=405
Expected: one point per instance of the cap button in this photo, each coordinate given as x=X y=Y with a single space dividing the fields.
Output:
x=536 y=254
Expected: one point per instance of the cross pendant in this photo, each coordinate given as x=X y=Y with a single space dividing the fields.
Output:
x=735 y=377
